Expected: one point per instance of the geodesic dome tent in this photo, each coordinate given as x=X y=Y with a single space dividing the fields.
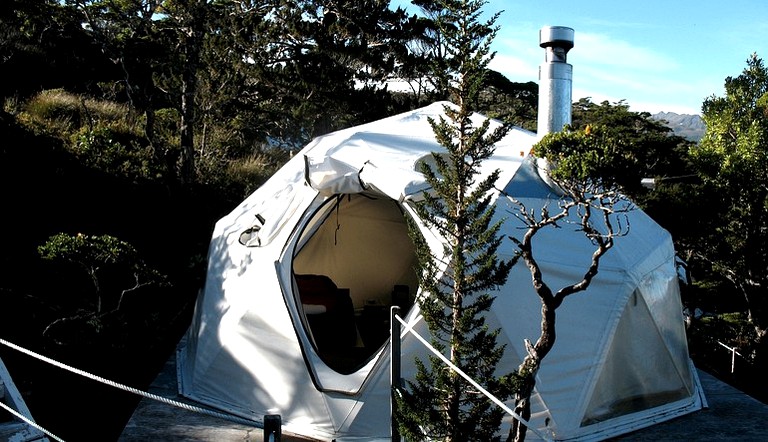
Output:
x=293 y=317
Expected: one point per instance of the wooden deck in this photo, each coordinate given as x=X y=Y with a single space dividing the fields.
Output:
x=154 y=420
x=731 y=416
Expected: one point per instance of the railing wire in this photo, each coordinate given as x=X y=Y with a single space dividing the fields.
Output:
x=453 y=367
x=155 y=397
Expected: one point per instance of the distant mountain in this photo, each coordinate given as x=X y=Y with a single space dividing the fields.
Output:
x=690 y=127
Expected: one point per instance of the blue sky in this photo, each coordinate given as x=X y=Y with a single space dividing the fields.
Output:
x=656 y=55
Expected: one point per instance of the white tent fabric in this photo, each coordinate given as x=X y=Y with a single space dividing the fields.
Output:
x=324 y=242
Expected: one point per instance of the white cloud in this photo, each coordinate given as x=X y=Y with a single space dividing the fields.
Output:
x=607 y=69
x=515 y=68
x=611 y=53
x=613 y=70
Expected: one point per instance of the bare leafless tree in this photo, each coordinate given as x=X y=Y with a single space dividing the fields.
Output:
x=598 y=214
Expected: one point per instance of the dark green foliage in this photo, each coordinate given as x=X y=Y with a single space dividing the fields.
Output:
x=88 y=163
x=42 y=46
x=439 y=404
x=47 y=190
x=96 y=253
x=308 y=67
x=590 y=155
x=733 y=162
x=513 y=103
x=89 y=251
x=710 y=340
x=633 y=146
x=113 y=267
x=103 y=135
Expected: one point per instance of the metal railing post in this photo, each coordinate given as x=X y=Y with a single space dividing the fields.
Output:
x=394 y=329
x=733 y=356
x=272 y=428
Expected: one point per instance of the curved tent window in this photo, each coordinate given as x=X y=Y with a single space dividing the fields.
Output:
x=354 y=261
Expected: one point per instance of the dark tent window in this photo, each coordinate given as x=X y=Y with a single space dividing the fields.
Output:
x=354 y=262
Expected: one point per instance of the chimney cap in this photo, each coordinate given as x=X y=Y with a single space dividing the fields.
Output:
x=556 y=36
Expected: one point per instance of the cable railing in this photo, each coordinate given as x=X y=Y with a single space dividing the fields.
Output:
x=272 y=423
x=396 y=322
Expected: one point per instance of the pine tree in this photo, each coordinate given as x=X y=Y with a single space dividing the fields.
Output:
x=439 y=403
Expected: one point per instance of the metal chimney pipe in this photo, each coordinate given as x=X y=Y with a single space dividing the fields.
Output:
x=555 y=80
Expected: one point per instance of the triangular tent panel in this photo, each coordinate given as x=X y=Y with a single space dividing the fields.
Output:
x=16 y=422
x=294 y=315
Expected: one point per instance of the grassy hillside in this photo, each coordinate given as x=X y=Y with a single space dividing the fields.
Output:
x=47 y=190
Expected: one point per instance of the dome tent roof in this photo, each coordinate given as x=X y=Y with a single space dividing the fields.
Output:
x=337 y=210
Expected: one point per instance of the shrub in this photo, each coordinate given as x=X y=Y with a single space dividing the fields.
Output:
x=108 y=149
x=113 y=266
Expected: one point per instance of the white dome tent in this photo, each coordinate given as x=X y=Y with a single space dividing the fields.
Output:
x=293 y=316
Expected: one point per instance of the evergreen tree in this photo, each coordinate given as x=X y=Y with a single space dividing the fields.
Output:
x=190 y=20
x=439 y=403
x=315 y=66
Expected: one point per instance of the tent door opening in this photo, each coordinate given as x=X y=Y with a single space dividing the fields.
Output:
x=354 y=260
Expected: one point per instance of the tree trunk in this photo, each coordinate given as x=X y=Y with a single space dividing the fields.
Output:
x=528 y=370
x=187 y=167
x=192 y=42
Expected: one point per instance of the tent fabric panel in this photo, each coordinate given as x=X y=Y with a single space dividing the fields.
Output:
x=273 y=215
x=572 y=363
x=639 y=253
x=397 y=184
x=528 y=184
x=541 y=418
x=569 y=366
x=259 y=372
x=330 y=176
x=220 y=300
x=229 y=327
x=290 y=175
x=579 y=346
x=661 y=292
x=242 y=355
x=268 y=202
x=639 y=372
x=395 y=145
x=369 y=420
